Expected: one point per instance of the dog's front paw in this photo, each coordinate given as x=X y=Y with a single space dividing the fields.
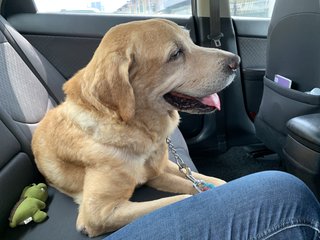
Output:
x=215 y=181
x=218 y=182
x=84 y=228
x=88 y=231
x=81 y=227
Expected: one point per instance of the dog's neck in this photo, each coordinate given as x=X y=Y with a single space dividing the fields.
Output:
x=154 y=123
x=149 y=123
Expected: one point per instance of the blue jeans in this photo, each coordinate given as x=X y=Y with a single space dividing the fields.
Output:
x=267 y=205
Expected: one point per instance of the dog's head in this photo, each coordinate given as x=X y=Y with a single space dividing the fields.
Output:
x=154 y=64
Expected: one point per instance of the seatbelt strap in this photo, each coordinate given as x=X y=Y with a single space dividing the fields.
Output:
x=215 y=25
x=215 y=37
x=13 y=43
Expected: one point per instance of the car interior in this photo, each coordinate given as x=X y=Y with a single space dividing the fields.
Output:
x=261 y=126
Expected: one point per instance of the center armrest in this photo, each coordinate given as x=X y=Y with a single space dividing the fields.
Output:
x=306 y=129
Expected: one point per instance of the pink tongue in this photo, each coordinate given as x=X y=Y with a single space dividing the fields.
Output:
x=212 y=100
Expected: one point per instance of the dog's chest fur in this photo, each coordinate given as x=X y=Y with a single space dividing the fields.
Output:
x=141 y=150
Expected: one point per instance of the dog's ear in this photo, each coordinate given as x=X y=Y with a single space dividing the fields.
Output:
x=107 y=84
x=112 y=87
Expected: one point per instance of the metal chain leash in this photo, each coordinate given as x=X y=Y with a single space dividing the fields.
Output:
x=198 y=184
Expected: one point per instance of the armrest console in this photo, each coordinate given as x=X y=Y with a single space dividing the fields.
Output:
x=302 y=150
x=306 y=129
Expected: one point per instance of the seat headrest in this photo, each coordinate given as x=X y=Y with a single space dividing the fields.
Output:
x=285 y=8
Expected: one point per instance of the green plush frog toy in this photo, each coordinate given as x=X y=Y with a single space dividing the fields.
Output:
x=29 y=207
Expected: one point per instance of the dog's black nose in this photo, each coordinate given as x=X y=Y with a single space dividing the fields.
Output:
x=233 y=62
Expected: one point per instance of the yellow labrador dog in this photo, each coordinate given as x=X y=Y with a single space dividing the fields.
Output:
x=109 y=135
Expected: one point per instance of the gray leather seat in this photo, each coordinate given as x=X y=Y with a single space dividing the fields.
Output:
x=293 y=51
x=29 y=87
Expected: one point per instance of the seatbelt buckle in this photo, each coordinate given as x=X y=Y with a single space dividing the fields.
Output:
x=216 y=39
x=217 y=42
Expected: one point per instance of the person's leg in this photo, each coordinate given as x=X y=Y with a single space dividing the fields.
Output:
x=267 y=205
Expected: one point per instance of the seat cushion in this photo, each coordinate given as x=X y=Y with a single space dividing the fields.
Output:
x=306 y=130
x=62 y=211
x=60 y=224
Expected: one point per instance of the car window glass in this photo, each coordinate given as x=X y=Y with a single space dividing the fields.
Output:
x=252 y=8
x=132 y=7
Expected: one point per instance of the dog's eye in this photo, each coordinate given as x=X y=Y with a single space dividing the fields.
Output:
x=176 y=54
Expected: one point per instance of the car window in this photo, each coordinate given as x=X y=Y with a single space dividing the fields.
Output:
x=252 y=8
x=135 y=7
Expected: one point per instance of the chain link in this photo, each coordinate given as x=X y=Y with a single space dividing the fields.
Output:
x=198 y=184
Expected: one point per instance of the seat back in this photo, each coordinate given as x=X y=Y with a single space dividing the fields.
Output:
x=293 y=51
x=293 y=43
x=24 y=100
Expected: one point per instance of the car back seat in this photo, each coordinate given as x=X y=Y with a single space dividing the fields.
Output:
x=29 y=87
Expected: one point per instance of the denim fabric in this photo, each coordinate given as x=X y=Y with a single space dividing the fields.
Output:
x=267 y=205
